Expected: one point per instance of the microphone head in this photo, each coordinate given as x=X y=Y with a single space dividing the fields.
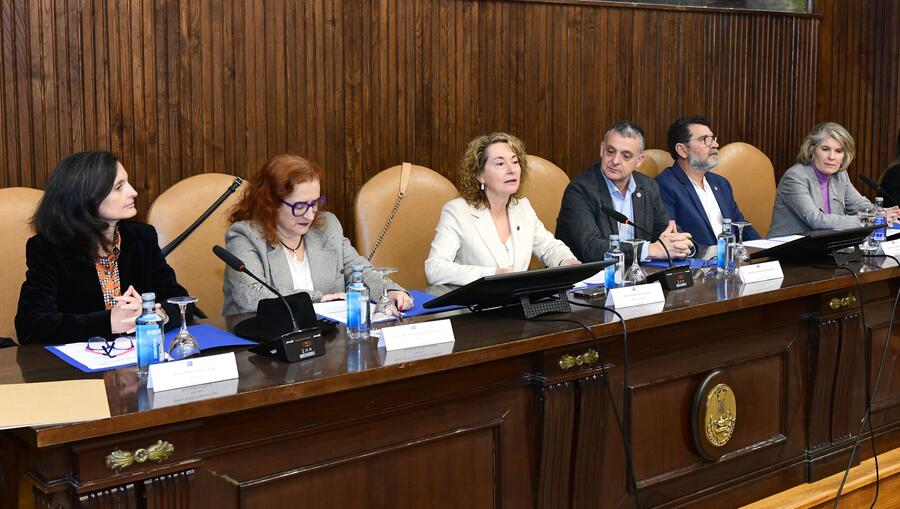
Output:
x=869 y=182
x=613 y=213
x=232 y=261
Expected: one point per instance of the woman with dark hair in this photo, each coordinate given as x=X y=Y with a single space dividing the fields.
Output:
x=282 y=235
x=86 y=265
x=491 y=227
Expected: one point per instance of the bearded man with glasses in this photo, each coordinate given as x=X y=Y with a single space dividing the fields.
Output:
x=695 y=197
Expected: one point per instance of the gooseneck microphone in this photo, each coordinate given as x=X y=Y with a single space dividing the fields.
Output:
x=672 y=277
x=874 y=185
x=235 y=263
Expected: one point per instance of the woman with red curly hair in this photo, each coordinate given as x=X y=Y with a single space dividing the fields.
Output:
x=281 y=234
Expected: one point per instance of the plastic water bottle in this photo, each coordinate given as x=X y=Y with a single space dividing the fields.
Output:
x=149 y=336
x=725 y=250
x=358 y=319
x=879 y=235
x=614 y=273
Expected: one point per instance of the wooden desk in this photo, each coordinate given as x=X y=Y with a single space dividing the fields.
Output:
x=498 y=422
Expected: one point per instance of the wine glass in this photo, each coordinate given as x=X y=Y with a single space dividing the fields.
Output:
x=741 y=255
x=183 y=344
x=866 y=215
x=385 y=306
x=635 y=274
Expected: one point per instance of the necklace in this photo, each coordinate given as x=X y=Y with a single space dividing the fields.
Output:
x=293 y=249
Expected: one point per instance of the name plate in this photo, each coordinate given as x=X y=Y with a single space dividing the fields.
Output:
x=185 y=373
x=890 y=248
x=416 y=334
x=760 y=272
x=638 y=295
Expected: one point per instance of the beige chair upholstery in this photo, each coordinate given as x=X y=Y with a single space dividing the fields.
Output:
x=752 y=178
x=17 y=205
x=661 y=158
x=544 y=188
x=408 y=240
x=649 y=167
x=197 y=268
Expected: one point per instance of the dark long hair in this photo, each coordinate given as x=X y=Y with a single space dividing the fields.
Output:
x=67 y=214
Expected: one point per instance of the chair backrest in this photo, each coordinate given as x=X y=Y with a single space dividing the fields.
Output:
x=544 y=188
x=752 y=178
x=649 y=167
x=197 y=268
x=408 y=240
x=662 y=158
x=17 y=205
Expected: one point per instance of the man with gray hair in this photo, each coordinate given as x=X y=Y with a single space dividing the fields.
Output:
x=585 y=228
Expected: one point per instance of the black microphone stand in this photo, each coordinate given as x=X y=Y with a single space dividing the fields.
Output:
x=196 y=224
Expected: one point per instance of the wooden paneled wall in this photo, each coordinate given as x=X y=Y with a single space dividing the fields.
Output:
x=859 y=77
x=179 y=87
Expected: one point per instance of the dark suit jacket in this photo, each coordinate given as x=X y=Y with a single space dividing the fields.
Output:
x=684 y=206
x=61 y=300
x=586 y=229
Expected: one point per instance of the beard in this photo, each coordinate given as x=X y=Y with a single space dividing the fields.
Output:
x=701 y=165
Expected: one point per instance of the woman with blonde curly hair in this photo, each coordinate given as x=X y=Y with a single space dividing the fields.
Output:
x=816 y=193
x=491 y=228
x=281 y=233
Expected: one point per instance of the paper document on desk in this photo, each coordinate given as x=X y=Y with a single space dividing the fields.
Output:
x=336 y=311
x=46 y=403
x=774 y=241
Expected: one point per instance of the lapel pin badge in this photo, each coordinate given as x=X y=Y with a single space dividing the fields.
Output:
x=638 y=195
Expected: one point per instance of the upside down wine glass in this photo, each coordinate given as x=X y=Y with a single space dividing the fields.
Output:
x=385 y=306
x=635 y=274
x=183 y=344
x=741 y=255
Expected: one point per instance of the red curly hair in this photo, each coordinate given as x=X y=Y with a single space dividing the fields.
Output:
x=274 y=180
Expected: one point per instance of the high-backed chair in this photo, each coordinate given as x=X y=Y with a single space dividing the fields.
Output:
x=752 y=178
x=544 y=188
x=662 y=158
x=17 y=205
x=197 y=268
x=649 y=167
x=407 y=241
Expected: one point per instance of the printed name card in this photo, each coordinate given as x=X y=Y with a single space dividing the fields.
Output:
x=760 y=272
x=196 y=371
x=416 y=335
x=637 y=295
x=890 y=248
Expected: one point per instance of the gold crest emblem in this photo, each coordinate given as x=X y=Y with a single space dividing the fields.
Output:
x=721 y=415
x=714 y=414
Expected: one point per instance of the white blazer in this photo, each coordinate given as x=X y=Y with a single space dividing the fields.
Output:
x=466 y=244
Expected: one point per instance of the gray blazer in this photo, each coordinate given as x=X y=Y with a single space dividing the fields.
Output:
x=330 y=257
x=798 y=203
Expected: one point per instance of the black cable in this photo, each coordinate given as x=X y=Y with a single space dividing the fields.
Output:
x=619 y=420
x=870 y=391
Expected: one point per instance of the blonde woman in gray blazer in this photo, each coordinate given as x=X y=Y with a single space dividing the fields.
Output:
x=821 y=167
x=490 y=228
x=281 y=236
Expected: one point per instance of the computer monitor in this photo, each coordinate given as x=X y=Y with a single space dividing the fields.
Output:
x=843 y=245
x=530 y=288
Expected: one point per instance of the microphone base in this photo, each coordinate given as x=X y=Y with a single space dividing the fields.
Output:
x=294 y=346
x=673 y=278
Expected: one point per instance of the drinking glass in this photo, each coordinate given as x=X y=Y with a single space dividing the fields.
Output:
x=741 y=255
x=385 y=306
x=866 y=215
x=183 y=345
x=635 y=274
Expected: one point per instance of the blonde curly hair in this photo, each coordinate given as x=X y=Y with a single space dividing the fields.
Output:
x=473 y=162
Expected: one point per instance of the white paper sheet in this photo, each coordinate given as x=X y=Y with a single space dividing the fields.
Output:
x=95 y=360
x=774 y=241
x=336 y=310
